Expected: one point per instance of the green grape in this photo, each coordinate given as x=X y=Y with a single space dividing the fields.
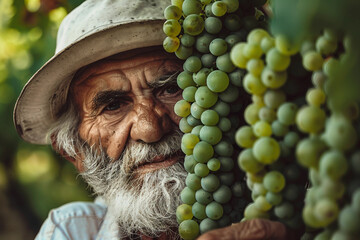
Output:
x=196 y=110
x=255 y=66
x=219 y=8
x=267 y=114
x=291 y=139
x=339 y=133
x=210 y=183
x=315 y=97
x=262 y=129
x=226 y=163
x=189 y=229
x=182 y=108
x=203 y=42
x=237 y=55
x=224 y=63
x=205 y=2
x=262 y=204
x=224 y=148
x=318 y=78
x=276 y=60
x=325 y=235
x=177 y=3
x=236 y=77
x=189 y=93
x=198 y=210
x=200 y=76
x=193 y=121
x=274 y=181
x=191 y=7
x=349 y=220
x=208 y=11
x=340 y=235
x=324 y=46
x=309 y=217
x=251 y=113
x=187 y=40
x=193 y=182
x=205 y=98
x=196 y=130
x=184 y=80
x=253 y=85
x=355 y=162
x=355 y=201
x=307 y=46
x=190 y=140
x=224 y=221
x=309 y=150
x=218 y=47
x=210 y=134
x=187 y=151
x=273 y=79
x=232 y=5
x=222 y=108
x=187 y=196
x=171 y=28
x=266 y=150
x=237 y=189
x=171 y=44
x=252 y=51
x=201 y=170
x=230 y=94
x=203 y=196
x=192 y=64
x=333 y=164
x=213 y=25
x=184 y=126
x=183 y=52
x=267 y=43
x=222 y=194
x=330 y=189
x=203 y=151
x=193 y=24
x=258 y=100
x=172 y=12
x=251 y=212
x=189 y=163
x=207 y=225
x=274 y=98
x=213 y=164
x=209 y=117
x=217 y=81
x=286 y=113
x=310 y=119
x=208 y=60
x=312 y=61
x=224 y=124
x=248 y=163
x=256 y=36
x=285 y=46
x=273 y=198
x=232 y=22
x=326 y=210
x=232 y=39
x=214 y=210
x=183 y=212
x=284 y=210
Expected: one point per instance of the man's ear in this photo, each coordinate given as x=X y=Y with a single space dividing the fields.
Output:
x=77 y=161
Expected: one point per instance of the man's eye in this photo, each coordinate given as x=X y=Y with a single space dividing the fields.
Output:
x=171 y=89
x=113 y=106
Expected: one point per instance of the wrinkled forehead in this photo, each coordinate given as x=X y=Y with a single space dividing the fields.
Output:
x=133 y=58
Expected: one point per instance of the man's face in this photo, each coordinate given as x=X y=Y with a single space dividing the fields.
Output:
x=129 y=99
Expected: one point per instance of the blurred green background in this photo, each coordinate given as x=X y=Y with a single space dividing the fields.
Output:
x=33 y=179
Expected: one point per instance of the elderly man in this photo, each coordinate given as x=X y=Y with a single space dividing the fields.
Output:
x=105 y=103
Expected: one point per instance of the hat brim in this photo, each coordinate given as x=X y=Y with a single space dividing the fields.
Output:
x=46 y=92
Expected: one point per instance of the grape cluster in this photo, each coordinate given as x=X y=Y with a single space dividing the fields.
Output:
x=202 y=33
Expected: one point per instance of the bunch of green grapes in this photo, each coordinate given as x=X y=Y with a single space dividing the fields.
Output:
x=202 y=33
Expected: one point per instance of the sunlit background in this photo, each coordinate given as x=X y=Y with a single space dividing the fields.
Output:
x=33 y=179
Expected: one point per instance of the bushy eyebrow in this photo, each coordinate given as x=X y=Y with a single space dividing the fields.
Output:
x=167 y=79
x=106 y=97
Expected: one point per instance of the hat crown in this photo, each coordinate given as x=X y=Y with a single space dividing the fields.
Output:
x=96 y=15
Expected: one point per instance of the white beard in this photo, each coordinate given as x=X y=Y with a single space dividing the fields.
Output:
x=140 y=205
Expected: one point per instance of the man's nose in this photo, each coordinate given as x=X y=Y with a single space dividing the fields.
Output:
x=151 y=123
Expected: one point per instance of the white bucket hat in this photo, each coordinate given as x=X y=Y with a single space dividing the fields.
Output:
x=94 y=30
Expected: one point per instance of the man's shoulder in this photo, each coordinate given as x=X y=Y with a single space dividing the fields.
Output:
x=76 y=220
x=78 y=210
